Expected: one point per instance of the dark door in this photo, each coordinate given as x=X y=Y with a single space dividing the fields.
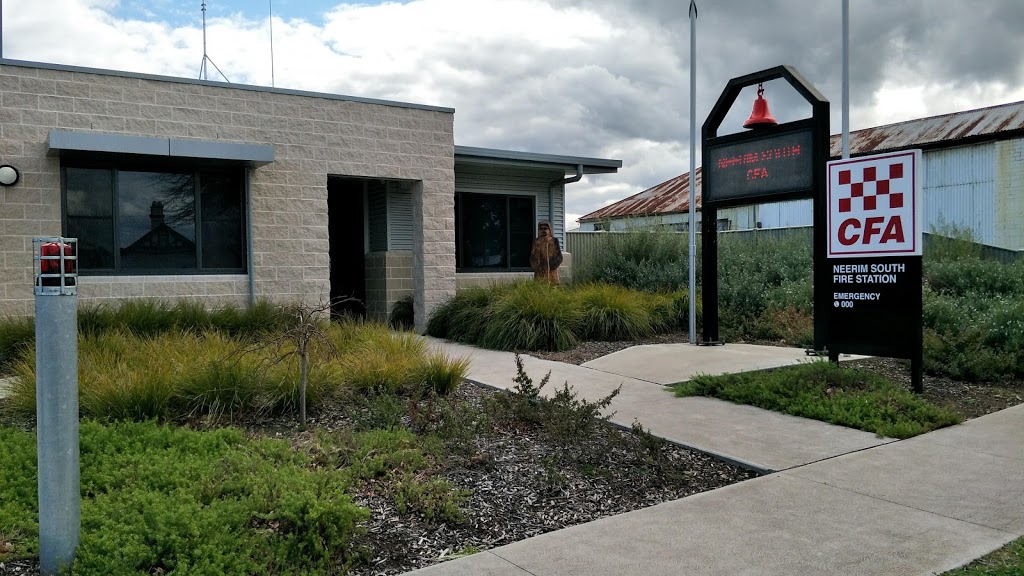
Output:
x=347 y=236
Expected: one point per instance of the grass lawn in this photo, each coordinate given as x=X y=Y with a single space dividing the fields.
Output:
x=830 y=393
x=1007 y=561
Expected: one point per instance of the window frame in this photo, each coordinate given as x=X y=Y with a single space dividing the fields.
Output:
x=116 y=164
x=459 y=236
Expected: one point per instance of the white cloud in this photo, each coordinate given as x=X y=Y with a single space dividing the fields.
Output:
x=594 y=78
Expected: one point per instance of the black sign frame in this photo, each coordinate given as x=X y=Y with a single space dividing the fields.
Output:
x=819 y=126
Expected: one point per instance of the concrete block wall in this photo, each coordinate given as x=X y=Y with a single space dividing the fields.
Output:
x=389 y=278
x=1010 y=194
x=465 y=280
x=313 y=136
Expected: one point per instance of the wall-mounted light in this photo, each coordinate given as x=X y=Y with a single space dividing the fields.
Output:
x=8 y=175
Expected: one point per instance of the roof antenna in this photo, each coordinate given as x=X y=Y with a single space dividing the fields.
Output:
x=203 y=70
x=271 y=3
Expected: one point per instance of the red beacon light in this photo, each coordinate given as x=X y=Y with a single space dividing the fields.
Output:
x=51 y=265
x=56 y=271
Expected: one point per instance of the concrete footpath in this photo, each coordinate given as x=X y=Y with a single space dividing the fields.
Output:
x=841 y=501
x=759 y=439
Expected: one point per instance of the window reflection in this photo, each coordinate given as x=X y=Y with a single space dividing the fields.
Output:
x=157 y=220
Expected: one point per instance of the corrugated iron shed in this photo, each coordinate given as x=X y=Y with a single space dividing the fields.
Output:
x=669 y=197
x=995 y=122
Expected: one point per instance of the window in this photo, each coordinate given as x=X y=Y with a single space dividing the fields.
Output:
x=162 y=218
x=493 y=231
x=724 y=224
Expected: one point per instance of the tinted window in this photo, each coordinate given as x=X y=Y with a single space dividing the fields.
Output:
x=155 y=221
x=493 y=231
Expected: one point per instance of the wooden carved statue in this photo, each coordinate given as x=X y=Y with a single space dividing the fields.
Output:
x=545 y=254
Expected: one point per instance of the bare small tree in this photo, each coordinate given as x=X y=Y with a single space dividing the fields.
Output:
x=304 y=328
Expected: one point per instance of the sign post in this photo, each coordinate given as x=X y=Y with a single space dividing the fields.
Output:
x=772 y=164
x=874 y=257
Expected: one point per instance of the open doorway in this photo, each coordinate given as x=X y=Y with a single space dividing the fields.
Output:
x=346 y=229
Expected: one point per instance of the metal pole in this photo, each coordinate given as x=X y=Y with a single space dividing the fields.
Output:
x=204 y=73
x=693 y=171
x=56 y=306
x=1 y=28
x=846 y=78
x=271 y=3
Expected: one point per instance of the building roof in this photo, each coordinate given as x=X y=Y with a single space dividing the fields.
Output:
x=946 y=130
x=669 y=197
x=249 y=87
x=472 y=155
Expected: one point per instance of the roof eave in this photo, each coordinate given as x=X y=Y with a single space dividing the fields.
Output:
x=515 y=158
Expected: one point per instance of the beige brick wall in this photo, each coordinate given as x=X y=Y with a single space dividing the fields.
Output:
x=376 y=285
x=465 y=280
x=389 y=278
x=313 y=137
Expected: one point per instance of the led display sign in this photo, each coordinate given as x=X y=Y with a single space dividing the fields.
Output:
x=759 y=165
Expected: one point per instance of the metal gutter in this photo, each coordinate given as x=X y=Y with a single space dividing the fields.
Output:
x=551 y=197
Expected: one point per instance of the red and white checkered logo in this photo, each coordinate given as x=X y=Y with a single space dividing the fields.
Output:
x=874 y=206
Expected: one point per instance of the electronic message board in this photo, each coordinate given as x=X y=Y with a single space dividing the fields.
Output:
x=759 y=165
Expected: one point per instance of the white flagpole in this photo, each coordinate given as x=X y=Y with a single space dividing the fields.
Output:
x=846 y=79
x=693 y=171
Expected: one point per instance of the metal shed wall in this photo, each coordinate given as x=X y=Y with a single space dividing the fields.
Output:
x=960 y=190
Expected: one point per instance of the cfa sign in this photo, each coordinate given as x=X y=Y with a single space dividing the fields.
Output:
x=874 y=206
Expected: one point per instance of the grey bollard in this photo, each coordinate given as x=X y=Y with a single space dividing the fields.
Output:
x=56 y=308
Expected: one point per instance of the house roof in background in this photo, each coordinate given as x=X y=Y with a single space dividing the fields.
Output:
x=492 y=156
x=946 y=130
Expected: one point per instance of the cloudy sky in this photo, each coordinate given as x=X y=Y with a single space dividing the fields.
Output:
x=603 y=78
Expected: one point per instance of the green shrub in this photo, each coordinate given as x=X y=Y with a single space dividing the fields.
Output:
x=402 y=314
x=671 y=311
x=436 y=500
x=975 y=277
x=531 y=316
x=16 y=335
x=830 y=393
x=158 y=499
x=384 y=362
x=565 y=418
x=441 y=374
x=612 y=313
x=948 y=241
x=652 y=260
x=464 y=317
x=752 y=273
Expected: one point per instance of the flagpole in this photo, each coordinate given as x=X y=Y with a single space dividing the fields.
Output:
x=693 y=171
x=846 y=79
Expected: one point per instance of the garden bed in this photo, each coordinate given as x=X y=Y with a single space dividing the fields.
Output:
x=509 y=477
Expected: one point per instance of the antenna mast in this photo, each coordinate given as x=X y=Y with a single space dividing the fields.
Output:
x=271 y=3
x=203 y=71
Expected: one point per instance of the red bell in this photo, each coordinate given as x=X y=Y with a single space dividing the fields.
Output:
x=760 y=116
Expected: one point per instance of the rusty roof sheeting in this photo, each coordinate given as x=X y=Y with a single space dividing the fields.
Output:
x=673 y=196
x=946 y=129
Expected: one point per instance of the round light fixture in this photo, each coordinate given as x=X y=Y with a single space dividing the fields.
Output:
x=8 y=175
